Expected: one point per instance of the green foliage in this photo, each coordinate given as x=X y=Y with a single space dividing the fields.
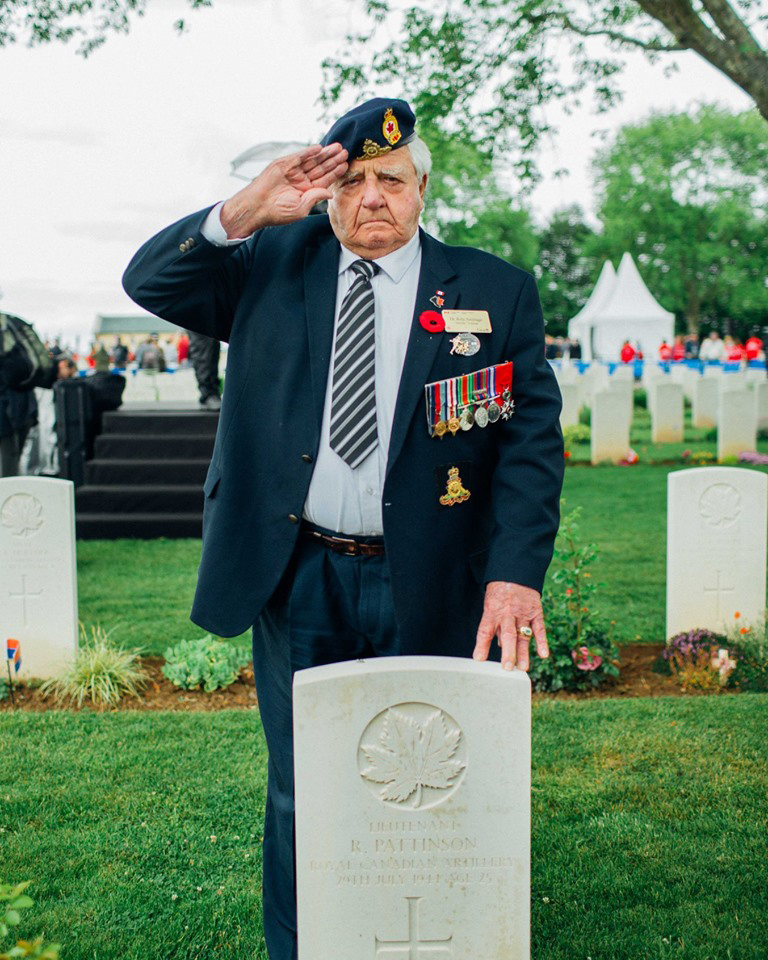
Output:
x=578 y=433
x=640 y=399
x=206 y=662
x=5 y=690
x=487 y=69
x=585 y=416
x=37 y=22
x=684 y=193
x=583 y=653
x=749 y=645
x=12 y=900
x=102 y=673
x=565 y=274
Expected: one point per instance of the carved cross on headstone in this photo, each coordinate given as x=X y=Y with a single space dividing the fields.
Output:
x=413 y=948
x=24 y=596
x=718 y=590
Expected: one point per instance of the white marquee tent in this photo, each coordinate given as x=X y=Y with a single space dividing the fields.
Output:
x=621 y=308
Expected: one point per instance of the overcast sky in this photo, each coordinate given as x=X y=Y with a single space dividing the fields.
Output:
x=96 y=155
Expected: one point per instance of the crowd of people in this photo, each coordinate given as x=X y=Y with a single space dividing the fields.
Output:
x=712 y=349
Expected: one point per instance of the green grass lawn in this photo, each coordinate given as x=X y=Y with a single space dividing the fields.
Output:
x=141 y=833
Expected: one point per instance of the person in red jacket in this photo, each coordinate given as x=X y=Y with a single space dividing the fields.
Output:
x=678 y=350
x=665 y=352
x=627 y=352
x=753 y=347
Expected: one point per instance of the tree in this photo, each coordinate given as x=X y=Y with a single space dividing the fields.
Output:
x=686 y=196
x=467 y=204
x=91 y=21
x=486 y=67
x=565 y=272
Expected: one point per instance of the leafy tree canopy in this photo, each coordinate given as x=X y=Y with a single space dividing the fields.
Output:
x=90 y=22
x=485 y=68
x=686 y=195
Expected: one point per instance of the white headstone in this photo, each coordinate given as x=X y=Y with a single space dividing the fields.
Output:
x=761 y=403
x=716 y=547
x=412 y=810
x=667 y=412
x=624 y=372
x=569 y=415
x=733 y=380
x=38 y=573
x=609 y=428
x=706 y=394
x=736 y=423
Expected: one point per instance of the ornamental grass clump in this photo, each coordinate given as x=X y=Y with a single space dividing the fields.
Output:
x=582 y=652
x=207 y=662
x=101 y=674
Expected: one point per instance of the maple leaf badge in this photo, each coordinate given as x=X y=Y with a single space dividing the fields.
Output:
x=411 y=756
x=23 y=514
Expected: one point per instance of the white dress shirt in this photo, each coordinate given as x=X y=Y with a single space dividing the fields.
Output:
x=341 y=498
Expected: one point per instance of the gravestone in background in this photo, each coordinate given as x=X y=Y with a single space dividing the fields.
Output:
x=736 y=423
x=623 y=390
x=569 y=415
x=706 y=396
x=38 y=573
x=413 y=810
x=716 y=547
x=760 y=390
x=609 y=428
x=667 y=412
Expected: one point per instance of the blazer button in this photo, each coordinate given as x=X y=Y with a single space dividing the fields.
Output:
x=183 y=248
x=306 y=458
x=293 y=518
x=191 y=242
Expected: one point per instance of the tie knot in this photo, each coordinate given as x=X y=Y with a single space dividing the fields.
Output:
x=364 y=268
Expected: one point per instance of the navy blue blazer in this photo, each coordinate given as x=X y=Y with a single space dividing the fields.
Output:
x=273 y=299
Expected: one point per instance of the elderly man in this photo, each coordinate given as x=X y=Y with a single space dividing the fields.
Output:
x=388 y=461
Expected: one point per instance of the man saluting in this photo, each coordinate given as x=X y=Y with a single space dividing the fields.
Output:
x=388 y=462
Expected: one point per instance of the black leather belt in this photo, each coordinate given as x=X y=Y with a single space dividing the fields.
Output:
x=348 y=546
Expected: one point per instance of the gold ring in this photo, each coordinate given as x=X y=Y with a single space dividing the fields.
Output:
x=525 y=632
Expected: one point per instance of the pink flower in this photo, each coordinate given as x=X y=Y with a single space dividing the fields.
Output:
x=585 y=660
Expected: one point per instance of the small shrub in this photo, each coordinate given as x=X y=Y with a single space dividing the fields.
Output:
x=699 y=660
x=207 y=662
x=640 y=399
x=749 y=645
x=582 y=652
x=12 y=900
x=578 y=433
x=585 y=416
x=101 y=674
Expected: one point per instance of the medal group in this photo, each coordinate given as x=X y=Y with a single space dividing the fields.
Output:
x=472 y=399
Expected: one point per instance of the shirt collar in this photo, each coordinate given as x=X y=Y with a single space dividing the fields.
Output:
x=394 y=264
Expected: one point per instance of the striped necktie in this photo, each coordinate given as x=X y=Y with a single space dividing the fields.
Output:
x=353 y=402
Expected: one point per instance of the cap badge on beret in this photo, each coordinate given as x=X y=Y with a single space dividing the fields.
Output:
x=390 y=128
x=372 y=149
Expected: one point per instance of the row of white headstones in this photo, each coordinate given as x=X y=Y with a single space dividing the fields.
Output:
x=736 y=403
x=412 y=773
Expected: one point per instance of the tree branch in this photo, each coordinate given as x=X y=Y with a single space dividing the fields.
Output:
x=654 y=46
x=731 y=24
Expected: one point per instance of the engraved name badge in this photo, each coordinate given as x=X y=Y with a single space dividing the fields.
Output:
x=467 y=321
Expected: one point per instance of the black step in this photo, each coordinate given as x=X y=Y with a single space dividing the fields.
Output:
x=181 y=422
x=161 y=446
x=134 y=471
x=147 y=498
x=138 y=526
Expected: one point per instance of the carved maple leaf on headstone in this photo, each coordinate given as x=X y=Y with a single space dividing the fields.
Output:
x=412 y=755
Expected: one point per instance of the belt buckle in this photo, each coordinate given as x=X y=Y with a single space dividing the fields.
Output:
x=350 y=547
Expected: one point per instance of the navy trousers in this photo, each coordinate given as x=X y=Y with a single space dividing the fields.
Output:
x=327 y=609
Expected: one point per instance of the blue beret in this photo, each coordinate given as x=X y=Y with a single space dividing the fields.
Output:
x=373 y=128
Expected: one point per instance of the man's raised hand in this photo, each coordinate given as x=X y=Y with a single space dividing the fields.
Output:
x=284 y=191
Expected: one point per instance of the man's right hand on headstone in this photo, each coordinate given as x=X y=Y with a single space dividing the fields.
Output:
x=284 y=191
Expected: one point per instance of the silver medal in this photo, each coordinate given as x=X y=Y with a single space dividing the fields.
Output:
x=494 y=411
x=465 y=344
x=466 y=419
x=481 y=417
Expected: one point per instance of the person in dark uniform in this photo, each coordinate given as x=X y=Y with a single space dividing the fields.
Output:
x=388 y=462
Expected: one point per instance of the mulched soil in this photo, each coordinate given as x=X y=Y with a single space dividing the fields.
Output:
x=637 y=679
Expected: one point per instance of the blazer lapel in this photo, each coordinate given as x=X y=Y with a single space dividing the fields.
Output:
x=436 y=274
x=320 y=280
